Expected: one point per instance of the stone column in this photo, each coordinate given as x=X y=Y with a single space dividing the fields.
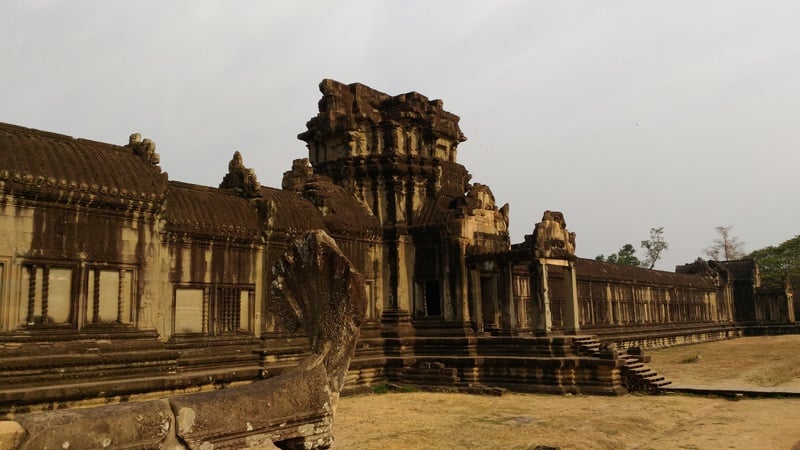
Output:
x=396 y=317
x=541 y=293
x=609 y=305
x=405 y=272
x=790 y=305
x=523 y=312
x=462 y=297
x=506 y=297
x=572 y=319
x=475 y=298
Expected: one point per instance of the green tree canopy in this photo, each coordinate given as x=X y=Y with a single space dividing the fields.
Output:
x=625 y=255
x=778 y=264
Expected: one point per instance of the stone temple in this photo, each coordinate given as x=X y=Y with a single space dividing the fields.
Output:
x=118 y=283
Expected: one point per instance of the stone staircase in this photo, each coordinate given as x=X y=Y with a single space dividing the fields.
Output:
x=636 y=376
x=587 y=345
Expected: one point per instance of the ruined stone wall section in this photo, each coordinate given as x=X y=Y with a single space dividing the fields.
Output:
x=481 y=222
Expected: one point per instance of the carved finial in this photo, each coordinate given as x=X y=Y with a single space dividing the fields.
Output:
x=240 y=178
x=236 y=162
x=551 y=238
x=145 y=149
x=295 y=179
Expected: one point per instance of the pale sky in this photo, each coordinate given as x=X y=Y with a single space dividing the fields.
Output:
x=624 y=115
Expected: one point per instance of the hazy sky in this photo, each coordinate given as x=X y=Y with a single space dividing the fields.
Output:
x=625 y=115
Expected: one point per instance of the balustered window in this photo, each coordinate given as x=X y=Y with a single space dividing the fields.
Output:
x=110 y=293
x=213 y=310
x=48 y=295
x=522 y=296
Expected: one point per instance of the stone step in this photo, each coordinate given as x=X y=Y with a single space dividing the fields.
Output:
x=212 y=361
x=653 y=376
x=54 y=395
x=72 y=374
x=45 y=369
x=427 y=380
x=214 y=343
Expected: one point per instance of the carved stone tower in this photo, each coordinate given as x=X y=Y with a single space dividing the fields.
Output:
x=396 y=154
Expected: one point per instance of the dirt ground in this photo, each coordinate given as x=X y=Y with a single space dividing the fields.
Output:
x=764 y=361
x=419 y=420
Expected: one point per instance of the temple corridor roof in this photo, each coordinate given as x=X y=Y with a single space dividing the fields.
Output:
x=42 y=159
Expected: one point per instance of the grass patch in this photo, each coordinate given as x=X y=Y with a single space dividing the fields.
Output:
x=386 y=387
x=382 y=388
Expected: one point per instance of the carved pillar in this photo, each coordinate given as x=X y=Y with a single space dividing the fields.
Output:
x=522 y=310
x=399 y=194
x=31 y=294
x=378 y=187
x=505 y=293
x=45 y=291
x=463 y=275
x=396 y=318
x=571 y=313
x=609 y=305
x=206 y=306
x=789 y=304
x=667 y=306
x=96 y=296
x=121 y=297
x=541 y=292
x=475 y=298
x=405 y=271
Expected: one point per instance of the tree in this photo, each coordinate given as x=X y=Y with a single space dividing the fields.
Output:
x=654 y=247
x=780 y=264
x=625 y=255
x=726 y=247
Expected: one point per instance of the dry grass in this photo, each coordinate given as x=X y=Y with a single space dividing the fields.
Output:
x=520 y=421
x=754 y=361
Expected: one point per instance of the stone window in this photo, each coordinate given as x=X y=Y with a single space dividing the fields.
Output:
x=522 y=297
x=48 y=295
x=213 y=310
x=191 y=311
x=109 y=295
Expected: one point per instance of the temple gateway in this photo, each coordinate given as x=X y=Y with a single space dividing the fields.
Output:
x=116 y=282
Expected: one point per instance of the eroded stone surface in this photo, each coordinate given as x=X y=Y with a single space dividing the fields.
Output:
x=552 y=239
x=11 y=434
x=317 y=289
x=140 y=425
